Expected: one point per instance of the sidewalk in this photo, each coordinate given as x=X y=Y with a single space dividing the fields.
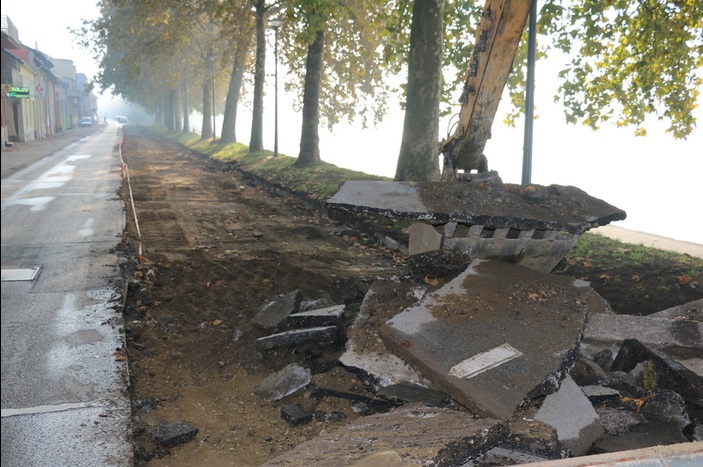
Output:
x=24 y=154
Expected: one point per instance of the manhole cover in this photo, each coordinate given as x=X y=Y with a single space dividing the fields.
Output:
x=9 y=275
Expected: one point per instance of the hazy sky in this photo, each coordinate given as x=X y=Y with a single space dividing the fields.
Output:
x=657 y=180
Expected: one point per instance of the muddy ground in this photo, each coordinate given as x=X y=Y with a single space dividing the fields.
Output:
x=214 y=249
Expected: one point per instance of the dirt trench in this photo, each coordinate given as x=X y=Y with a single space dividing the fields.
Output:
x=214 y=249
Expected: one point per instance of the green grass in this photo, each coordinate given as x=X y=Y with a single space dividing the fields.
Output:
x=318 y=182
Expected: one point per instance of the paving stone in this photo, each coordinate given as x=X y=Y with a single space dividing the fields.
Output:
x=598 y=394
x=283 y=383
x=689 y=311
x=481 y=337
x=328 y=316
x=587 y=372
x=570 y=412
x=678 y=338
x=297 y=337
x=275 y=312
x=173 y=434
x=409 y=435
x=295 y=415
x=615 y=421
x=423 y=238
x=642 y=436
x=666 y=406
x=665 y=373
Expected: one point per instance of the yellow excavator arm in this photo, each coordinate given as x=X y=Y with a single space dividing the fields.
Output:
x=497 y=40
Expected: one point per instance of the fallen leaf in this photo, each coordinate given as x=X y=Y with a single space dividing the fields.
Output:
x=430 y=281
x=684 y=279
x=639 y=402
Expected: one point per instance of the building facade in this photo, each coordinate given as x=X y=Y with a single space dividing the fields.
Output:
x=41 y=96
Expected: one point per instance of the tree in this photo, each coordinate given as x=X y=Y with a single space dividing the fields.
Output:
x=256 y=141
x=339 y=43
x=418 y=159
x=629 y=60
x=240 y=28
x=309 y=137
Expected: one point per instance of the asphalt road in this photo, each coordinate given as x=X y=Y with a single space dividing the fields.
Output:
x=64 y=387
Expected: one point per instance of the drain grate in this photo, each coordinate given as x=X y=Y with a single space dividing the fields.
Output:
x=9 y=275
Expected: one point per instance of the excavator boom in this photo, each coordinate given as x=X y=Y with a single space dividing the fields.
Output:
x=497 y=40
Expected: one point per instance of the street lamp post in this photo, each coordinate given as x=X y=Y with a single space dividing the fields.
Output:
x=212 y=69
x=275 y=24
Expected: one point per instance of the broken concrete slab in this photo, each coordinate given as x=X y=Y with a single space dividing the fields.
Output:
x=663 y=372
x=410 y=435
x=297 y=337
x=283 y=383
x=616 y=421
x=496 y=335
x=328 y=316
x=367 y=356
x=642 y=436
x=692 y=311
x=681 y=339
x=493 y=205
x=570 y=412
x=275 y=312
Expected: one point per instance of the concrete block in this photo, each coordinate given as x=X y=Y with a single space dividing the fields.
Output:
x=297 y=337
x=423 y=238
x=678 y=338
x=570 y=412
x=329 y=316
x=275 y=312
x=283 y=383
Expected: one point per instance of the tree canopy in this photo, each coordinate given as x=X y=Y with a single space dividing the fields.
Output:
x=626 y=60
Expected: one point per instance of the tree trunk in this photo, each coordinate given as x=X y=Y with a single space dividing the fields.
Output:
x=176 y=111
x=256 y=141
x=186 y=109
x=206 y=131
x=309 y=137
x=229 y=122
x=419 y=156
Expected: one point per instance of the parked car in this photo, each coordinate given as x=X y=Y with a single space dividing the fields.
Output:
x=121 y=119
x=86 y=121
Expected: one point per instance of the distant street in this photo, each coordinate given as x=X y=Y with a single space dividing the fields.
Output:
x=64 y=399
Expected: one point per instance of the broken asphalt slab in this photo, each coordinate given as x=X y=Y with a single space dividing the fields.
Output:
x=497 y=205
x=410 y=435
x=496 y=335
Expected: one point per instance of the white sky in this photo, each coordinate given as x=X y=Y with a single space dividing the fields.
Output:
x=657 y=180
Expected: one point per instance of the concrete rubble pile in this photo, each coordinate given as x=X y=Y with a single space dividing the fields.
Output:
x=598 y=392
x=503 y=363
x=498 y=362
